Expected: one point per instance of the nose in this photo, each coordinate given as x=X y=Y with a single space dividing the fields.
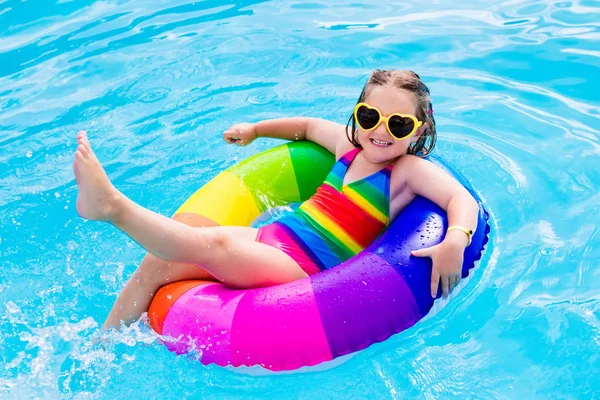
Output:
x=381 y=128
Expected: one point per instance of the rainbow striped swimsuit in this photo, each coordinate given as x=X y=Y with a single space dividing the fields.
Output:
x=337 y=222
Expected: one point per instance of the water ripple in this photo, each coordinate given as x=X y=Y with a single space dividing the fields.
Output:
x=514 y=86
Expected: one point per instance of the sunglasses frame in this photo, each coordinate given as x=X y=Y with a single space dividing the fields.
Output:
x=416 y=123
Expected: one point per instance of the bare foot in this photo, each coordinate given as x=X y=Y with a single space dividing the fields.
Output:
x=97 y=198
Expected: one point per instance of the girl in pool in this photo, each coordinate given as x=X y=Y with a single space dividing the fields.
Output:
x=379 y=170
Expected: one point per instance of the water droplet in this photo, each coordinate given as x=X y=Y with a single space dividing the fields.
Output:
x=169 y=297
x=12 y=307
x=56 y=194
x=29 y=154
x=548 y=251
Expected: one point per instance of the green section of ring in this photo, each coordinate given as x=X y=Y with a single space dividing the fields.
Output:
x=284 y=174
x=270 y=177
x=311 y=163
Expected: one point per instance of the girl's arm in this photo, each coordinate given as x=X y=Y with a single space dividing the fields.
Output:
x=325 y=133
x=425 y=179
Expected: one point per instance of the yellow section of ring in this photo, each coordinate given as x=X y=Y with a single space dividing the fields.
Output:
x=224 y=199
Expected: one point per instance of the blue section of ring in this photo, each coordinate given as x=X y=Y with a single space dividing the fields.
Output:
x=423 y=224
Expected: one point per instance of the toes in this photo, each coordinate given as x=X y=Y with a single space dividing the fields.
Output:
x=84 y=145
x=86 y=142
x=82 y=139
x=84 y=151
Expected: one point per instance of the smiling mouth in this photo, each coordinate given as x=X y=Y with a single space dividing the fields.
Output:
x=380 y=143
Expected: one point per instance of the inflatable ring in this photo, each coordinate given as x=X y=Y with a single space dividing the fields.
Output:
x=381 y=291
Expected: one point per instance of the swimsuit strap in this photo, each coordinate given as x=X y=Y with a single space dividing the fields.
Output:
x=339 y=169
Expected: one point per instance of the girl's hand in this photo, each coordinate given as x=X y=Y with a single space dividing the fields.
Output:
x=240 y=134
x=447 y=260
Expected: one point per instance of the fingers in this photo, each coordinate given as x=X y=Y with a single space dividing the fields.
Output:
x=445 y=286
x=234 y=136
x=435 y=282
x=448 y=283
x=240 y=134
x=454 y=282
x=422 y=252
x=230 y=136
x=442 y=270
x=451 y=283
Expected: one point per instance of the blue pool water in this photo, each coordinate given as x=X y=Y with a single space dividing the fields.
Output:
x=516 y=92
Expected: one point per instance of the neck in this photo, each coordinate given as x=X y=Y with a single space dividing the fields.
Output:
x=377 y=164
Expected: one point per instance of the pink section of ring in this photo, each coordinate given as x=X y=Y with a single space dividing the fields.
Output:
x=271 y=321
x=209 y=324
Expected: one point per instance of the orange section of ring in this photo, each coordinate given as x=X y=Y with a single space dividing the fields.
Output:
x=165 y=298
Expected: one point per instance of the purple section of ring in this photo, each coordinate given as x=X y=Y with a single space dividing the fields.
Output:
x=363 y=301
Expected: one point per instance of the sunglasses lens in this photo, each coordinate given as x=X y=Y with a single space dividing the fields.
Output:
x=400 y=126
x=366 y=117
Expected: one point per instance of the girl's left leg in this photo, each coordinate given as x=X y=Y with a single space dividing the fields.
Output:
x=152 y=273
x=237 y=262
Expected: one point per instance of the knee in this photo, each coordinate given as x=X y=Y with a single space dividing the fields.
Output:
x=218 y=242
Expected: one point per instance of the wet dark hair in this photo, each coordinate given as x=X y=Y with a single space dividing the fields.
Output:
x=412 y=83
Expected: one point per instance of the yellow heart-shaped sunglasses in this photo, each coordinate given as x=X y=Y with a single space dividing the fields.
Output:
x=400 y=126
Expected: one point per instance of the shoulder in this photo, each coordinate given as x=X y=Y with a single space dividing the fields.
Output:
x=328 y=134
x=407 y=169
x=343 y=147
x=403 y=165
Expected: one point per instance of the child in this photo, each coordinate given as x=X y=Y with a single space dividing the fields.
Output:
x=379 y=170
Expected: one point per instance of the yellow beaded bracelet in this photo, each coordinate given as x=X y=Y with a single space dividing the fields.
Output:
x=469 y=232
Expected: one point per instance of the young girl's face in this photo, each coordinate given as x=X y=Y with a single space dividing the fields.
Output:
x=379 y=145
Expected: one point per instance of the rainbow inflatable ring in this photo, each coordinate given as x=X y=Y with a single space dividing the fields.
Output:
x=379 y=292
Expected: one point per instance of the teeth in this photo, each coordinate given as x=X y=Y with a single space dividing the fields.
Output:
x=380 y=143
